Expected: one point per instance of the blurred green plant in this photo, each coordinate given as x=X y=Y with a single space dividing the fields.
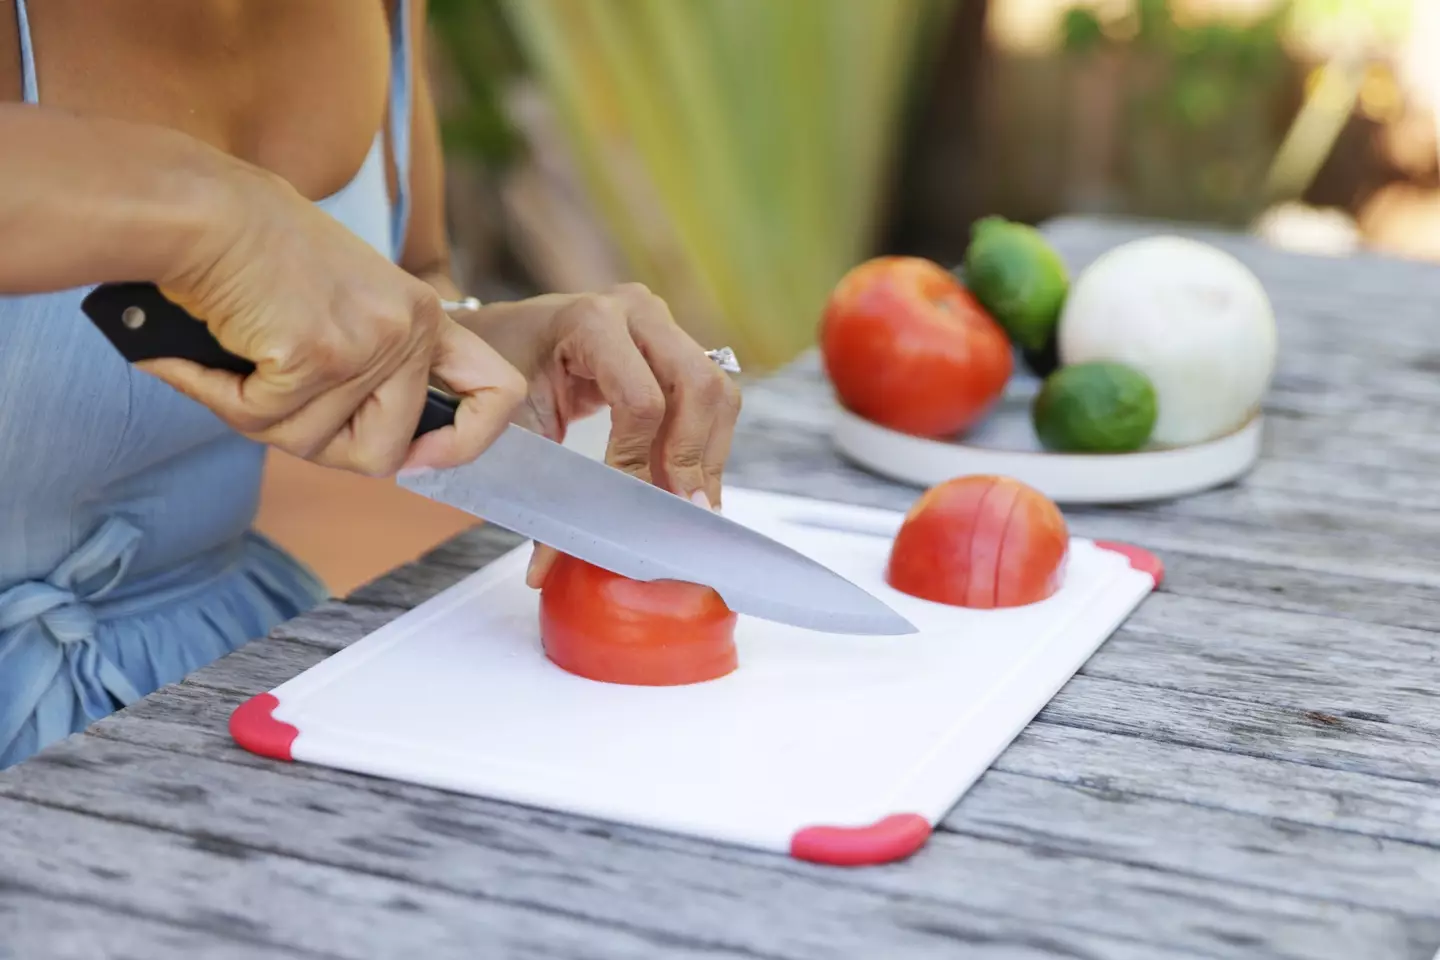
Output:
x=737 y=152
x=1199 y=99
x=483 y=59
x=1203 y=136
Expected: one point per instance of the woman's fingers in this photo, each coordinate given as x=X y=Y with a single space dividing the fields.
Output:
x=701 y=401
x=489 y=389
x=717 y=445
x=595 y=344
x=542 y=558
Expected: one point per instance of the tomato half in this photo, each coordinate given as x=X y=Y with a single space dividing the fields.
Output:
x=980 y=542
x=908 y=347
x=602 y=626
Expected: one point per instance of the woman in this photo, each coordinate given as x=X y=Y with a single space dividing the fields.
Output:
x=274 y=166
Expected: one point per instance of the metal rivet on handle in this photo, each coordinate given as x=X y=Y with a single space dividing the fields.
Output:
x=133 y=318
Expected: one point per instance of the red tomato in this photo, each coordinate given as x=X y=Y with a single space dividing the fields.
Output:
x=907 y=347
x=606 y=627
x=980 y=542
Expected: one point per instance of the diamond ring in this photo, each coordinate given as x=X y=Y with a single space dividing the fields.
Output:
x=725 y=357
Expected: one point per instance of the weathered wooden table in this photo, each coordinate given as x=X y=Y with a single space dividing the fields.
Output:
x=1249 y=768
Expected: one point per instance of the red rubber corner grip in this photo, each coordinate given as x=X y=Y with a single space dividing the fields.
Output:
x=1140 y=558
x=254 y=727
x=893 y=838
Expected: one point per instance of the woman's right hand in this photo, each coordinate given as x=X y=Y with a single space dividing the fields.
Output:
x=344 y=341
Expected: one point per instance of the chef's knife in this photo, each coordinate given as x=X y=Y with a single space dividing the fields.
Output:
x=542 y=490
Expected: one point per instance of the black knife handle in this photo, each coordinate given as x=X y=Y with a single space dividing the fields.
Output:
x=141 y=323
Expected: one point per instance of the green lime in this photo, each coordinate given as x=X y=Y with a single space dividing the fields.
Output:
x=1098 y=407
x=1019 y=278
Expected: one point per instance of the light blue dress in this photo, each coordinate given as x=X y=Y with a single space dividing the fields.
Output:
x=126 y=555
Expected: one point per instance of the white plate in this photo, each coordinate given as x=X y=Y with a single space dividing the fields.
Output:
x=1005 y=444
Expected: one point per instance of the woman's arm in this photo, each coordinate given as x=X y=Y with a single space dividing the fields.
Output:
x=427 y=246
x=344 y=341
x=90 y=200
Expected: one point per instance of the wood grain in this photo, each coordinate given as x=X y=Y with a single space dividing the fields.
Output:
x=1249 y=768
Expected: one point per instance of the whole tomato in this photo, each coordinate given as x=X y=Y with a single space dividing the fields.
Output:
x=907 y=347
x=602 y=626
x=980 y=542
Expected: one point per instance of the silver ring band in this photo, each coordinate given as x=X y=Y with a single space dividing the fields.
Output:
x=468 y=303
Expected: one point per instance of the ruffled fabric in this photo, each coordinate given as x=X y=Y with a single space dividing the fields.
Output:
x=82 y=643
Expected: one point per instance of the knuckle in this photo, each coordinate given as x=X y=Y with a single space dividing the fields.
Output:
x=686 y=457
x=325 y=359
x=630 y=458
x=392 y=329
x=645 y=405
x=426 y=311
x=305 y=445
x=710 y=382
x=378 y=459
x=246 y=422
x=633 y=292
x=594 y=310
x=513 y=386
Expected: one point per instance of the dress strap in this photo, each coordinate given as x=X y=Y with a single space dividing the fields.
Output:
x=29 y=87
x=401 y=107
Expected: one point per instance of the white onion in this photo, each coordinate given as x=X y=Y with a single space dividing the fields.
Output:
x=1190 y=317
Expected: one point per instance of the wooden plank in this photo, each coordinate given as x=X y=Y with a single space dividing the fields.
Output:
x=1243 y=851
x=674 y=886
x=1280 y=587
x=1263 y=730
x=206 y=879
x=1314 y=664
x=1109 y=764
x=33 y=927
x=526 y=899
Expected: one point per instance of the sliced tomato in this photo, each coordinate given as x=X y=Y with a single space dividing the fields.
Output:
x=980 y=542
x=1032 y=558
x=915 y=556
x=987 y=543
x=602 y=626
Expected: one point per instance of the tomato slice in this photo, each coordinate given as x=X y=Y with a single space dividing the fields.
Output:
x=988 y=542
x=980 y=542
x=602 y=626
x=1033 y=555
x=931 y=555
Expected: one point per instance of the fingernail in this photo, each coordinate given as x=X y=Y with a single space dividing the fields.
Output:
x=415 y=471
x=700 y=500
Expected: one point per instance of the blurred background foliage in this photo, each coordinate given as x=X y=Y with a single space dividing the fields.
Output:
x=739 y=155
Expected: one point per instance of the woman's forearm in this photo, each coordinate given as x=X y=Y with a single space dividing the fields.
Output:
x=87 y=201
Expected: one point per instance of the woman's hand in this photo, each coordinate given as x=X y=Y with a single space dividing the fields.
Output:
x=673 y=411
x=345 y=342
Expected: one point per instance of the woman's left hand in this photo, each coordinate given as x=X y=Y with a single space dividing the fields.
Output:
x=673 y=410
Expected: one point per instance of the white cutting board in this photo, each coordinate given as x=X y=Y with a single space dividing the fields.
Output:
x=836 y=749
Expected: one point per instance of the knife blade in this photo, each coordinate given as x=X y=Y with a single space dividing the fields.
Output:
x=542 y=490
